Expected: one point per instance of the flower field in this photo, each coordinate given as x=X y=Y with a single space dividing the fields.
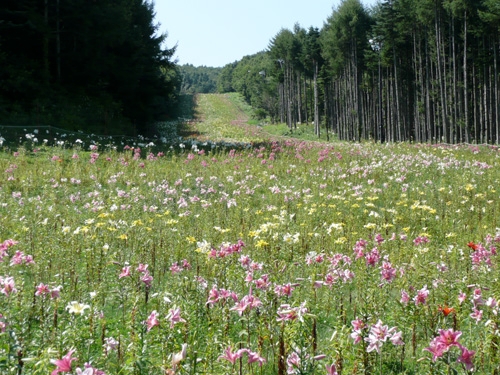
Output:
x=286 y=258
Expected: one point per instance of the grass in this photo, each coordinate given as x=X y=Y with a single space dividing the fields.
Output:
x=229 y=117
x=304 y=132
x=221 y=118
x=282 y=258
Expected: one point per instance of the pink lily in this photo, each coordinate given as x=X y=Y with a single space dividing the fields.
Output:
x=466 y=358
x=152 y=320
x=63 y=364
x=231 y=356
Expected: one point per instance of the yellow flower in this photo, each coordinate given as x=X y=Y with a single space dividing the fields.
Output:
x=122 y=237
x=190 y=239
x=222 y=230
x=261 y=243
x=340 y=240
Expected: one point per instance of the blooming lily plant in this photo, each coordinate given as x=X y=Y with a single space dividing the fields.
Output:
x=279 y=258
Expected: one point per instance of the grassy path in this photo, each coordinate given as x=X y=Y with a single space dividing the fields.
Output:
x=226 y=117
x=221 y=117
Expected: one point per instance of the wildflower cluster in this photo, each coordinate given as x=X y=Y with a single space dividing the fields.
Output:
x=284 y=257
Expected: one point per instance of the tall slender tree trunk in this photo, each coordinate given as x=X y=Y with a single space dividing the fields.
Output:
x=428 y=111
x=397 y=114
x=466 y=87
x=306 y=115
x=441 y=79
x=381 y=124
x=495 y=72
x=454 y=100
x=474 y=103
x=299 y=99
x=316 y=102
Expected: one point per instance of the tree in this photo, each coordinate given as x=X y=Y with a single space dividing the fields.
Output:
x=344 y=40
x=69 y=55
x=313 y=61
x=201 y=79
x=284 y=50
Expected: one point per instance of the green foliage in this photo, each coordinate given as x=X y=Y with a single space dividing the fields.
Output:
x=345 y=36
x=284 y=48
x=303 y=132
x=217 y=229
x=58 y=56
x=199 y=80
x=225 y=80
x=224 y=117
x=420 y=70
x=252 y=77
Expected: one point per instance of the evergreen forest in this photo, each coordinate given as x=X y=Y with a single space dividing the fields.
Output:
x=403 y=70
x=200 y=79
x=95 y=66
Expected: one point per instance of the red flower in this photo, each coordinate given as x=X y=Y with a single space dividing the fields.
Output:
x=446 y=310
x=472 y=245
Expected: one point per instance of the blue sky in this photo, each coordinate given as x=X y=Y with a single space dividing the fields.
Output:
x=218 y=32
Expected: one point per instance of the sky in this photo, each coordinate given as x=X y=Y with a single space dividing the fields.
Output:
x=218 y=32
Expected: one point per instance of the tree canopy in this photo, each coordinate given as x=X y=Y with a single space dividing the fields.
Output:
x=201 y=79
x=80 y=63
x=404 y=70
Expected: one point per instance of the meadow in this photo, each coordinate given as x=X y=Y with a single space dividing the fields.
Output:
x=288 y=257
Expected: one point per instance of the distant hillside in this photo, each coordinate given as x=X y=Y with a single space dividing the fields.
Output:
x=199 y=79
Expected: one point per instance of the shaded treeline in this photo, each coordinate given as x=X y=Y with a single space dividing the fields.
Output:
x=405 y=70
x=82 y=64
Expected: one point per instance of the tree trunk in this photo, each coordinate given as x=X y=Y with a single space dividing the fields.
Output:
x=441 y=79
x=466 y=88
x=495 y=72
x=316 y=102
